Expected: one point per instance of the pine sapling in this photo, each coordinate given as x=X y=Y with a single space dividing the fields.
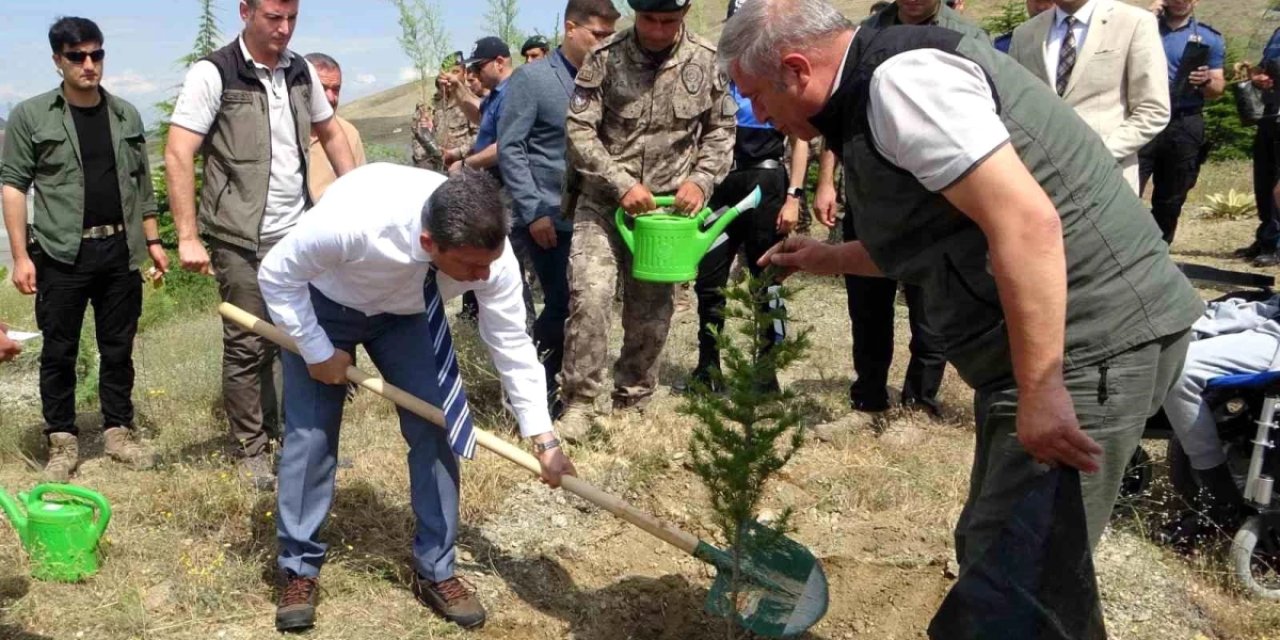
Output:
x=750 y=429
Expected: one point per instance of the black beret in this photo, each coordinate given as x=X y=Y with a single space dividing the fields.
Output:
x=534 y=42
x=658 y=6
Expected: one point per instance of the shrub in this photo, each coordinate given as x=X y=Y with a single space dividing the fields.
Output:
x=1231 y=206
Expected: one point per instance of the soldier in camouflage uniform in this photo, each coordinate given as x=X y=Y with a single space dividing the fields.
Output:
x=651 y=114
x=453 y=129
x=426 y=155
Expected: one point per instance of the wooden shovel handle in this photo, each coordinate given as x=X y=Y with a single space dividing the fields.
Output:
x=609 y=502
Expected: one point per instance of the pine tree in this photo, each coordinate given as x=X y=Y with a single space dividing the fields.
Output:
x=1011 y=14
x=208 y=38
x=751 y=430
x=423 y=38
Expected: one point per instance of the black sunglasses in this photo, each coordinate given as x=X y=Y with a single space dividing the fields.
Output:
x=77 y=57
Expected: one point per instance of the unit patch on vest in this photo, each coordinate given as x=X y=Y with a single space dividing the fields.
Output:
x=581 y=96
x=692 y=77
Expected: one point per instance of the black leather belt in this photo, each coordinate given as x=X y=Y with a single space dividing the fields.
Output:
x=102 y=231
x=759 y=165
x=1186 y=112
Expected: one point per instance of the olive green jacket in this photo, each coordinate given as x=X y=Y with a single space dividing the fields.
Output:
x=946 y=17
x=41 y=148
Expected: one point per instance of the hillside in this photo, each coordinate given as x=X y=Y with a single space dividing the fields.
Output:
x=1245 y=22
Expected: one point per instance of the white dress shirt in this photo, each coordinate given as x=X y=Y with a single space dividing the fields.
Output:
x=1053 y=47
x=360 y=247
x=198 y=106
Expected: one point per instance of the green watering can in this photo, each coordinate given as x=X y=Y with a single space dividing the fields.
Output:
x=61 y=536
x=668 y=248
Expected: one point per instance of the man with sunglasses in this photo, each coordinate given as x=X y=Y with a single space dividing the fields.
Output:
x=490 y=61
x=95 y=224
x=650 y=115
x=531 y=142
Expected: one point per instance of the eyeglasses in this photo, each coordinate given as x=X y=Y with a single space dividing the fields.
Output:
x=478 y=65
x=598 y=34
x=78 y=57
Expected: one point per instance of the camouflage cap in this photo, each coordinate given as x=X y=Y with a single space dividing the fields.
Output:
x=659 y=6
x=450 y=61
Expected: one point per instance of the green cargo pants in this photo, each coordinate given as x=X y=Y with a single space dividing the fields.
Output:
x=1113 y=399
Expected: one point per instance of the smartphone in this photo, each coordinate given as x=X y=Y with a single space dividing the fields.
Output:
x=1194 y=56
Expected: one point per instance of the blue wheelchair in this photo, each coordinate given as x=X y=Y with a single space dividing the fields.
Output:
x=1245 y=411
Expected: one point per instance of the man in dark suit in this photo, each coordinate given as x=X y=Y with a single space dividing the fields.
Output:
x=531 y=141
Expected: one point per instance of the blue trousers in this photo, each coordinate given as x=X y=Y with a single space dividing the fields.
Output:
x=400 y=347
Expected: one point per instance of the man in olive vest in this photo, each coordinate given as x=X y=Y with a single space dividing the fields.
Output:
x=977 y=183
x=249 y=109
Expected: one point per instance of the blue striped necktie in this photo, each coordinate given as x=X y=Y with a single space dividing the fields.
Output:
x=462 y=435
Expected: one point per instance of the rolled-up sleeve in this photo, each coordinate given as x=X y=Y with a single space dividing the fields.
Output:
x=18 y=164
x=933 y=114
x=502 y=329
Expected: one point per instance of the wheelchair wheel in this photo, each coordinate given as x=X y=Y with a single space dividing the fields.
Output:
x=1255 y=557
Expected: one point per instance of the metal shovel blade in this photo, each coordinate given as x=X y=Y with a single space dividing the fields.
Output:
x=782 y=589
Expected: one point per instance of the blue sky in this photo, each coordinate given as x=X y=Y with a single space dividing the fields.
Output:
x=145 y=37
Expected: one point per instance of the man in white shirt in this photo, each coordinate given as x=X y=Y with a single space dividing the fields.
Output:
x=372 y=265
x=250 y=109
x=1106 y=59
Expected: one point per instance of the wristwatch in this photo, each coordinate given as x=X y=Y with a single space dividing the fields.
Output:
x=796 y=192
x=543 y=447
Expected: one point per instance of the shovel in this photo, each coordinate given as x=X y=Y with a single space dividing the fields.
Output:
x=782 y=589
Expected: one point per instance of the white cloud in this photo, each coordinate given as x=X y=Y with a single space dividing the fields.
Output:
x=366 y=78
x=130 y=83
x=408 y=74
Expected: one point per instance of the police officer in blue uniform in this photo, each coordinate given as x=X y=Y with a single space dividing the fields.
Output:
x=1266 y=161
x=1172 y=161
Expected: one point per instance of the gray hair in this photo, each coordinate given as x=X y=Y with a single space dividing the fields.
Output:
x=465 y=211
x=760 y=31
x=323 y=61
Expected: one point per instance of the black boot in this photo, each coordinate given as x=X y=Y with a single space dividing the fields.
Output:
x=1219 y=508
x=1223 y=502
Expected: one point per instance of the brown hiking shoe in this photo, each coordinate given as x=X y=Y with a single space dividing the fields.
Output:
x=256 y=470
x=575 y=422
x=64 y=457
x=297 y=607
x=454 y=599
x=123 y=446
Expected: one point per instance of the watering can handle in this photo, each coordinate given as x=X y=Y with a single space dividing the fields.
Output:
x=92 y=497
x=620 y=217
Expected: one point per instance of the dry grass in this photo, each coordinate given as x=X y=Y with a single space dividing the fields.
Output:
x=191 y=548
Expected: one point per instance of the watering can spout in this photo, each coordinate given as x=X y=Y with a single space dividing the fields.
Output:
x=708 y=237
x=15 y=515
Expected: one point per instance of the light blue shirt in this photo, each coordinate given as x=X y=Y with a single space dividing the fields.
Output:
x=1058 y=34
